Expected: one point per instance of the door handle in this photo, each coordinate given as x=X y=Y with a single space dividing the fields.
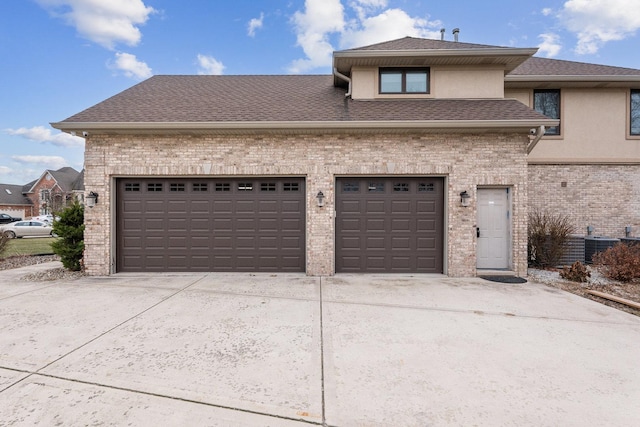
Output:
x=477 y=231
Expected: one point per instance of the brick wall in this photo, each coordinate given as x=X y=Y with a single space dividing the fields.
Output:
x=466 y=160
x=606 y=197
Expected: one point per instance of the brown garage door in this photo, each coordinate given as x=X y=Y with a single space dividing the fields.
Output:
x=389 y=225
x=210 y=224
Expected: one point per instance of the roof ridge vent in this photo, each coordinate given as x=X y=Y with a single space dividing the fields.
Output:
x=442 y=31
x=455 y=32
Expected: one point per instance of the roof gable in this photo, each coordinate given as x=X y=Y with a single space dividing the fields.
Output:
x=413 y=43
x=64 y=178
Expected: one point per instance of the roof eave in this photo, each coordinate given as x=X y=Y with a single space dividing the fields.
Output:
x=509 y=58
x=498 y=51
x=301 y=126
x=571 y=78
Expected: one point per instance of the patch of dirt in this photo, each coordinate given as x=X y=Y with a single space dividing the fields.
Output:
x=597 y=282
x=41 y=276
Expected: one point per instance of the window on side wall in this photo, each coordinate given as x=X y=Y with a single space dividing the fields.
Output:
x=635 y=112
x=404 y=80
x=547 y=102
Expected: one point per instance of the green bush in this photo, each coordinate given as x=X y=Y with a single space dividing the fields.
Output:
x=621 y=262
x=70 y=228
x=547 y=236
x=576 y=273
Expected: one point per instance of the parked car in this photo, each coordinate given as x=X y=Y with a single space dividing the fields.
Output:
x=6 y=218
x=27 y=229
x=44 y=218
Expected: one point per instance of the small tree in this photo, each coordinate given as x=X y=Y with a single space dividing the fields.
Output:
x=70 y=228
x=621 y=262
x=547 y=234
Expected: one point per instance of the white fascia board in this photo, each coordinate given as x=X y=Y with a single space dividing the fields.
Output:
x=307 y=125
x=570 y=78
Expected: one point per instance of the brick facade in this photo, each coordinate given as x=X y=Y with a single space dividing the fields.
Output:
x=467 y=161
x=606 y=197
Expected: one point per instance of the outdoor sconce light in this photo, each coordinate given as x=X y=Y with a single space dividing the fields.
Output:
x=589 y=230
x=465 y=198
x=320 y=198
x=92 y=199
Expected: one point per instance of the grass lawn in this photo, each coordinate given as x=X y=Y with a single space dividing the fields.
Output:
x=29 y=246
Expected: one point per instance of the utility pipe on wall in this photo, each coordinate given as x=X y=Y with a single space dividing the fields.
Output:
x=345 y=78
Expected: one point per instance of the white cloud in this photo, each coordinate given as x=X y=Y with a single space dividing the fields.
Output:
x=547 y=11
x=42 y=134
x=255 y=24
x=389 y=25
x=47 y=162
x=131 y=67
x=550 y=45
x=5 y=170
x=596 y=22
x=370 y=24
x=106 y=22
x=208 y=65
x=313 y=27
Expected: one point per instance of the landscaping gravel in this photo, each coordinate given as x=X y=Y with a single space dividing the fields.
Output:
x=46 y=275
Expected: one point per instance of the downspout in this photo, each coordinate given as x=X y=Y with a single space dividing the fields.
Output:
x=539 y=134
x=343 y=77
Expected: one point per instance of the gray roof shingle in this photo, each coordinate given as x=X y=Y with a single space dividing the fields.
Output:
x=12 y=195
x=413 y=43
x=555 y=67
x=190 y=99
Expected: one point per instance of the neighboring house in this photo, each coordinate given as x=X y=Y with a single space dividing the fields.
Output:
x=45 y=195
x=411 y=158
x=13 y=202
x=53 y=190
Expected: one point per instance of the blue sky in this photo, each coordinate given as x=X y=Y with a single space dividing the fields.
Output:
x=62 y=56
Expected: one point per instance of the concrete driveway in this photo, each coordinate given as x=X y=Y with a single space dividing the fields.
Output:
x=290 y=350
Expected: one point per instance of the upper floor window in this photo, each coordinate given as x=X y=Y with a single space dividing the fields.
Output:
x=547 y=102
x=404 y=80
x=635 y=112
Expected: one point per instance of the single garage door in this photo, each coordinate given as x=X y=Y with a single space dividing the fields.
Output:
x=252 y=224
x=389 y=225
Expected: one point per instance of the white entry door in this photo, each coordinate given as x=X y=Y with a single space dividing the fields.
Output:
x=494 y=226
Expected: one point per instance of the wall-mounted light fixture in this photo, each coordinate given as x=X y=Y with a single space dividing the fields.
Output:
x=589 y=230
x=92 y=199
x=320 y=197
x=465 y=199
x=627 y=231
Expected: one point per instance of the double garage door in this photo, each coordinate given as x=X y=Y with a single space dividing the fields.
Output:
x=210 y=225
x=386 y=225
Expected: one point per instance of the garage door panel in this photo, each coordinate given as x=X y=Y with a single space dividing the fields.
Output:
x=292 y=224
x=401 y=224
x=350 y=206
x=179 y=224
x=222 y=207
x=375 y=224
x=292 y=206
x=154 y=207
x=401 y=207
x=293 y=243
x=373 y=243
x=375 y=206
x=389 y=224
